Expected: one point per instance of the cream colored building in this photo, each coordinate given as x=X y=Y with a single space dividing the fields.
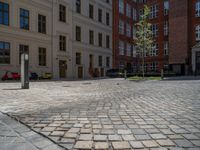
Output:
x=46 y=29
x=87 y=19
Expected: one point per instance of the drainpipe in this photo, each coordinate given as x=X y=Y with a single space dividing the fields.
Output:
x=52 y=26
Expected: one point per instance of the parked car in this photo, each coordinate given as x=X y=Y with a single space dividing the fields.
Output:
x=33 y=76
x=11 y=76
x=46 y=75
x=114 y=73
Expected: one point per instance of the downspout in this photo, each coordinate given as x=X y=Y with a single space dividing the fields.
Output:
x=52 y=26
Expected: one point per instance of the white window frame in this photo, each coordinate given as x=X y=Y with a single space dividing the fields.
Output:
x=166 y=7
x=128 y=10
x=154 y=11
x=128 y=49
x=121 y=48
x=121 y=27
x=154 y=29
x=134 y=14
x=121 y=6
x=128 y=30
x=166 y=48
x=197 y=8
x=154 y=49
x=166 y=28
x=198 y=32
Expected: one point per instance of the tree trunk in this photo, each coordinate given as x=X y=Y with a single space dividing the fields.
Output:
x=143 y=63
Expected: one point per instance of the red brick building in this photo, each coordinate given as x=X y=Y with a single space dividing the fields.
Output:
x=175 y=32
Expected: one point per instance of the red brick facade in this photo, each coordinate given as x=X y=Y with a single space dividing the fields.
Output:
x=181 y=38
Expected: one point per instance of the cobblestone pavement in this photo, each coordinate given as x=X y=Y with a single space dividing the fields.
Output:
x=15 y=136
x=109 y=114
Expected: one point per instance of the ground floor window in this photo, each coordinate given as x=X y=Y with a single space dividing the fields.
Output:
x=4 y=52
x=42 y=56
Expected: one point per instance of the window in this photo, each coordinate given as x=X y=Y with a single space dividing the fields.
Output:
x=128 y=49
x=197 y=32
x=128 y=10
x=154 y=29
x=154 y=11
x=24 y=19
x=197 y=8
x=134 y=14
x=4 y=13
x=78 y=33
x=134 y=31
x=100 y=39
x=100 y=61
x=107 y=61
x=42 y=56
x=107 y=19
x=91 y=11
x=107 y=41
x=91 y=60
x=121 y=27
x=121 y=6
x=141 y=13
x=23 y=49
x=41 y=24
x=62 y=13
x=154 y=66
x=166 y=7
x=121 y=48
x=134 y=52
x=166 y=48
x=78 y=6
x=62 y=43
x=100 y=15
x=128 y=30
x=166 y=30
x=154 y=50
x=78 y=58
x=91 y=37
x=4 y=52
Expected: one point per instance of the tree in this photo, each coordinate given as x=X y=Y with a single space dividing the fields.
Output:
x=144 y=35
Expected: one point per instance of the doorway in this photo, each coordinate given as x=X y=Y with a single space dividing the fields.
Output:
x=198 y=63
x=80 y=72
x=62 y=68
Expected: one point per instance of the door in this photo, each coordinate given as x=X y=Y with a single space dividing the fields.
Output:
x=102 y=72
x=198 y=63
x=80 y=72
x=62 y=68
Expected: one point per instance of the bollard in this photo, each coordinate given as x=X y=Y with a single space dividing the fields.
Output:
x=162 y=74
x=24 y=71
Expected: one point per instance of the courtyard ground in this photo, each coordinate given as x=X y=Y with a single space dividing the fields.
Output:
x=100 y=114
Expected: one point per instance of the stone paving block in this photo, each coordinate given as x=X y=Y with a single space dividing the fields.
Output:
x=101 y=145
x=70 y=135
x=124 y=132
x=114 y=138
x=184 y=143
x=190 y=136
x=74 y=130
x=196 y=142
x=107 y=131
x=158 y=136
x=48 y=129
x=128 y=137
x=166 y=143
x=83 y=145
x=67 y=140
x=57 y=133
x=175 y=136
x=86 y=137
x=142 y=137
x=150 y=144
x=121 y=145
x=136 y=144
x=100 y=138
